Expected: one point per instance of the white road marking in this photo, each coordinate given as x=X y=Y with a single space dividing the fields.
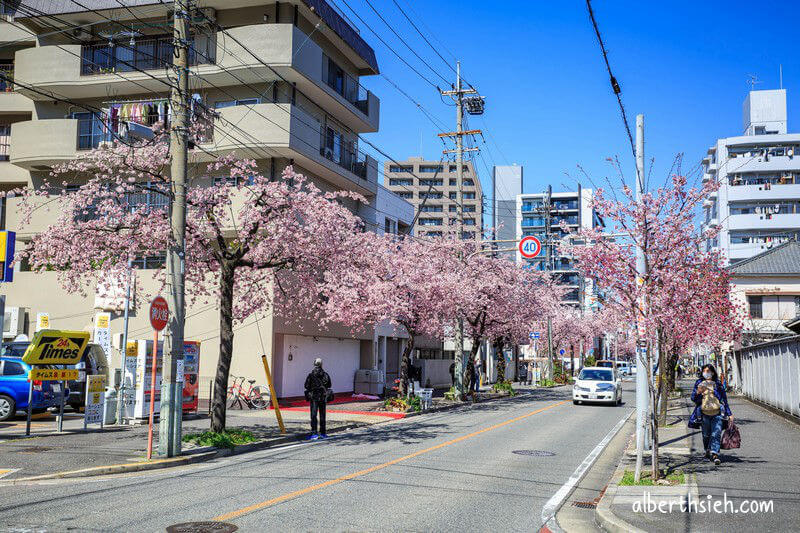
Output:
x=555 y=502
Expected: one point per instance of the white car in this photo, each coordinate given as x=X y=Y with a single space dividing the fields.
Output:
x=597 y=384
x=624 y=368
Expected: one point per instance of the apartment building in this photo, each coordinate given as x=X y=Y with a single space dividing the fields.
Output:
x=757 y=205
x=284 y=79
x=506 y=186
x=574 y=209
x=432 y=188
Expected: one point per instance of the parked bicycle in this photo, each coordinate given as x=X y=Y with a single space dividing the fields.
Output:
x=252 y=397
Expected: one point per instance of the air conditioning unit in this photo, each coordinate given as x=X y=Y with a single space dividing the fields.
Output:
x=13 y=322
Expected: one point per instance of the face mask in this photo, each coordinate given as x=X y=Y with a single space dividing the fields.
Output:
x=707 y=375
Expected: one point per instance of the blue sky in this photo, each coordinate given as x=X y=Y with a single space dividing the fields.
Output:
x=549 y=106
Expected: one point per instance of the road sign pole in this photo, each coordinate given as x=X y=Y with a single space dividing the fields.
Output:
x=152 y=395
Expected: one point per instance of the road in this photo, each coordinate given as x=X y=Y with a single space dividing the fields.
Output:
x=450 y=470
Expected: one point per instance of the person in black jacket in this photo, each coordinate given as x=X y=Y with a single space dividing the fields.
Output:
x=318 y=388
x=712 y=412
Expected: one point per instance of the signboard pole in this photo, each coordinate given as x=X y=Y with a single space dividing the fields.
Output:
x=61 y=407
x=152 y=395
x=30 y=401
x=86 y=405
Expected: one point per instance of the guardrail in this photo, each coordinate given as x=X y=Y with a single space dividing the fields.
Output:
x=770 y=373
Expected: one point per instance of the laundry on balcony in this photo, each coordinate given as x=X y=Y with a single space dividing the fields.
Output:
x=150 y=113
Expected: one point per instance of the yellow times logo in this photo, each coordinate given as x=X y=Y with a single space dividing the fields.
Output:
x=56 y=347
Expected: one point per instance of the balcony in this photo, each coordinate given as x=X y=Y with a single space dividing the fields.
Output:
x=286 y=130
x=761 y=192
x=762 y=222
x=11 y=102
x=41 y=144
x=90 y=71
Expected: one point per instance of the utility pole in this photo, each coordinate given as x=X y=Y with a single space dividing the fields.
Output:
x=475 y=108
x=170 y=418
x=549 y=266
x=641 y=348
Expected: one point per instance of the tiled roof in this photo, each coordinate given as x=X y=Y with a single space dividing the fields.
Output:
x=782 y=259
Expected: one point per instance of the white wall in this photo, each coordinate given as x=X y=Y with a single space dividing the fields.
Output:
x=340 y=359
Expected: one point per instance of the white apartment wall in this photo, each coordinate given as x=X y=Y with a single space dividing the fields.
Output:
x=340 y=359
x=775 y=310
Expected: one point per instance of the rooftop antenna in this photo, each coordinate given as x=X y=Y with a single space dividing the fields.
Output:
x=753 y=81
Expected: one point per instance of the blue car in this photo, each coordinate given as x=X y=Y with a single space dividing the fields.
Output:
x=14 y=389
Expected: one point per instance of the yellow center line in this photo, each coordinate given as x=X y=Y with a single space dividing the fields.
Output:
x=288 y=496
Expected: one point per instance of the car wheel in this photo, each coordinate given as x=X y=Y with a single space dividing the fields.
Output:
x=7 y=407
x=576 y=402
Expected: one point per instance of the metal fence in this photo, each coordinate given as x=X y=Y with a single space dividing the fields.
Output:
x=770 y=373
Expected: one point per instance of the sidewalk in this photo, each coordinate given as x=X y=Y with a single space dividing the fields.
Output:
x=766 y=468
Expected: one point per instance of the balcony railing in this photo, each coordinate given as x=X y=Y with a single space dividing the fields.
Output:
x=144 y=54
x=343 y=153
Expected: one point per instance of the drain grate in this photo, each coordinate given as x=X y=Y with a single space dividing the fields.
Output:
x=202 y=527
x=585 y=505
x=534 y=453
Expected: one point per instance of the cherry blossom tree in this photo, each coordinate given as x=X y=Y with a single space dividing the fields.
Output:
x=681 y=283
x=406 y=282
x=251 y=243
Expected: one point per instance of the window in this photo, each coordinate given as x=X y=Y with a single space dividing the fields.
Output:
x=468 y=182
x=430 y=221
x=469 y=221
x=150 y=262
x=91 y=130
x=454 y=209
x=469 y=196
x=530 y=205
x=430 y=183
x=430 y=195
x=12 y=368
x=469 y=208
x=400 y=182
x=390 y=226
x=149 y=197
x=454 y=168
x=430 y=169
x=532 y=221
x=230 y=103
x=405 y=195
x=395 y=168
x=431 y=209
x=5 y=141
x=755 y=303
x=453 y=195
x=433 y=233
x=234 y=182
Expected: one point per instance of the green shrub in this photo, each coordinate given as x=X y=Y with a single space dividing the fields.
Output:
x=590 y=361
x=399 y=402
x=504 y=386
x=226 y=439
x=452 y=394
x=674 y=478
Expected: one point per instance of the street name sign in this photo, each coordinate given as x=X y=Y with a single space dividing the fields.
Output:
x=56 y=347
x=530 y=247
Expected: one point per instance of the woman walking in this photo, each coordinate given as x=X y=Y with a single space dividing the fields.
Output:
x=711 y=410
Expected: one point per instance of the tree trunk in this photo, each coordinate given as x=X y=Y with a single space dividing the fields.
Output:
x=663 y=393
x=405 y=362
x=227 y=273
x=500 y=359
x=668 y=383
x=571 y=359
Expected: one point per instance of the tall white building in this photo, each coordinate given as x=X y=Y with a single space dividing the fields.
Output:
x=757 y=205
x=575 y=210
x=506 y=186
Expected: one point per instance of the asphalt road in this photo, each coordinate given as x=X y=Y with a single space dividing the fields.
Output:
x=444 y=471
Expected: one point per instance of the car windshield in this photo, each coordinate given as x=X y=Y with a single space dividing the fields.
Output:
x=593 y=374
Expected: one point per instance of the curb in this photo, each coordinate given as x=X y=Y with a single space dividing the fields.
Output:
x=605 y=517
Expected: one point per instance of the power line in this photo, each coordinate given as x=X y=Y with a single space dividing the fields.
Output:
x=404 y=41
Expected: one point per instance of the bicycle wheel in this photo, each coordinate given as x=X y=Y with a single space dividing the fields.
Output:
x=256 y=399
x=233 y=397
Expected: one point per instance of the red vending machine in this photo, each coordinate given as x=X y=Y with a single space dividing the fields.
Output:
x=191 y=382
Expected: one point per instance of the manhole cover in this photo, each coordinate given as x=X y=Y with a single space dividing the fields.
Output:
x=34 y=449
x=202 y=527
x=534 y=453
